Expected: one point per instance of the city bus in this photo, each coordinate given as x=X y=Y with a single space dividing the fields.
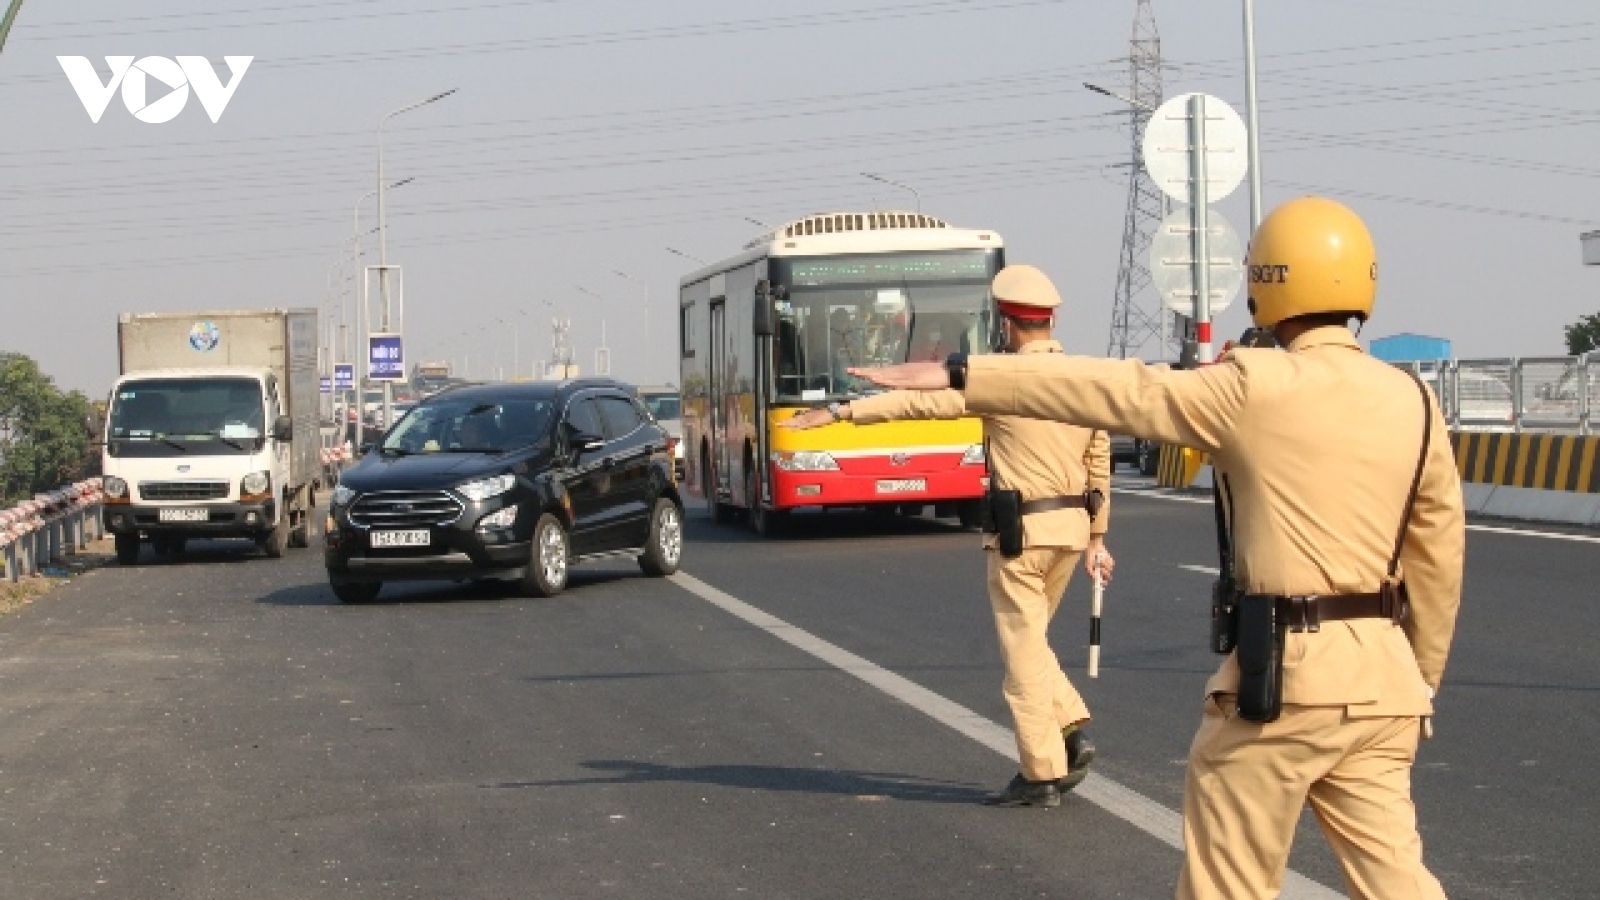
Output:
x=769 y=332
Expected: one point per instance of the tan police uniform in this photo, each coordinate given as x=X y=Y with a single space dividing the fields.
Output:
x=1041 y=460
x=1318 y=447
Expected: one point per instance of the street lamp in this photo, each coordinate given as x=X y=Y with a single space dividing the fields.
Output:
x=383 y=244
x=1252 y=115
x=906 y=187
x=355 y=264
x=603 y=353
x=646 y=285
x=688 y=256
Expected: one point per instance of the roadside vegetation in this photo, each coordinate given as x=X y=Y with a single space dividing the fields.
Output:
x=46 y=435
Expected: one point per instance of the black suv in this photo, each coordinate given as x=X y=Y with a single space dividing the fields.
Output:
x=507 y=482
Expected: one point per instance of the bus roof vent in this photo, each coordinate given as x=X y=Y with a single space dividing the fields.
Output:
x=834 y=223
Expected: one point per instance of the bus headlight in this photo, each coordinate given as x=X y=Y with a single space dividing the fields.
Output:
x=805 y=461
x=973 y=456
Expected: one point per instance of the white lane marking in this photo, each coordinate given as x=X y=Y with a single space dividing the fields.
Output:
x=1170 y=494
x=1203 y=570
x=1125 y=803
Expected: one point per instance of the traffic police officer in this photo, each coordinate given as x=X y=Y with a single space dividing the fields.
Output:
x=1338 y=467
x=1053 y=467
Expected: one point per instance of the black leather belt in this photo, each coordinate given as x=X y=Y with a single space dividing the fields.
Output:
x=1309 y=612
x=1051 y=504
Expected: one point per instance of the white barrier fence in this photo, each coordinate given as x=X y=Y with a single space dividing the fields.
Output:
x=36 y=532
x=1550 y=394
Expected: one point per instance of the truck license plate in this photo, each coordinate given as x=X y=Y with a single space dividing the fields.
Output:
x=400 y=538
x=183 y=515
x=902 y=485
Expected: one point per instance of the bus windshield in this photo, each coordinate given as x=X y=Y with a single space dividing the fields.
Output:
x=873 y=311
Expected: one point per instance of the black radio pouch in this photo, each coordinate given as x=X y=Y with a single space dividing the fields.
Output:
x=1002 y=517
x=1262 y=635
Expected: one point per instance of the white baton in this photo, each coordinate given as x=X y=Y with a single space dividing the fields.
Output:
x=1094 y=620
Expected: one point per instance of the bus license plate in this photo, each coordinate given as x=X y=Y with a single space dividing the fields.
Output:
x=902 y=485
x=400 y=538
x=183 y=515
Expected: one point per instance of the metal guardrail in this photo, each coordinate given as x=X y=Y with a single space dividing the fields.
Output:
x=1546 y=394
x=36 y=532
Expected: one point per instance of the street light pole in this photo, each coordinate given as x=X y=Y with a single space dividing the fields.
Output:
x=1252 y=115
x=905 y=187
x=383 y=242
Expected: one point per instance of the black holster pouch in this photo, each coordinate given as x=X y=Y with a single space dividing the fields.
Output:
x=1261 y=636
x=1093 y=501
x=1002 y=517
x=1224 y=616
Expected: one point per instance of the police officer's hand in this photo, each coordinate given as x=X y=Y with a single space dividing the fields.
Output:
x=811 y=418
x=1096 y=558
x=917 y=376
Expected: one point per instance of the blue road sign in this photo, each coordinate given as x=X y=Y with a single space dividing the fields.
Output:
x=344 y=376
x=385 y=358
x=326 y=384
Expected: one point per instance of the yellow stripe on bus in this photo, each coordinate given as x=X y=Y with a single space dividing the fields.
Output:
x=849 y=436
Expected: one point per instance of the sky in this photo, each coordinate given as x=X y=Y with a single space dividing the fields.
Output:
x=587 y=137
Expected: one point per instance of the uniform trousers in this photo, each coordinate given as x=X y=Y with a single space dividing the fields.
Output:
x=1025 y=593
x=1248 y=781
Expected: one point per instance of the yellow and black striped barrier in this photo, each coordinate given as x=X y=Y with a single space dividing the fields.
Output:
x=1551 y=462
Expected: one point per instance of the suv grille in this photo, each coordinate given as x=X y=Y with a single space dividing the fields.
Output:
x=406 y=509
x=183 y=490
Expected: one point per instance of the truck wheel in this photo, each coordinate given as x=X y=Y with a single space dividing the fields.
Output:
x=356 y=591
x=276 y=541
x=970 y=514
x=547 y=565
x=127 y=549
x=300 y=535
x=665 y=548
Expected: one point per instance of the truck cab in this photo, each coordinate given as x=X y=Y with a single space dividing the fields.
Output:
x=205 y=453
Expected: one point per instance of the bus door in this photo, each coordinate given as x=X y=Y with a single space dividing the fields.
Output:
x=717 y=377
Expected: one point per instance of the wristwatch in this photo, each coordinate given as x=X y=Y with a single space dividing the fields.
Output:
x=835 y=410
x=957 y=366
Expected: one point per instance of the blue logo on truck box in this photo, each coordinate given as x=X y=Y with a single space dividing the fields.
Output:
x=205 y=336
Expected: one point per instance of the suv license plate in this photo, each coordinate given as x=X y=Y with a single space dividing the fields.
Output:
x=400 y=539
x=184 y=515
x=902 y=485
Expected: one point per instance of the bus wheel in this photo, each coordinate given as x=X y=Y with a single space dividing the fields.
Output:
x=970 y=513
x=763 y=521
x=721 y=513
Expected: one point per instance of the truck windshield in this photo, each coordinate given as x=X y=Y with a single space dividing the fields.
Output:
x=464 y=425
x=873 y=311
x=177 y=416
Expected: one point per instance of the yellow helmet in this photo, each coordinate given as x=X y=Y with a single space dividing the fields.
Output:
x=1311 y=255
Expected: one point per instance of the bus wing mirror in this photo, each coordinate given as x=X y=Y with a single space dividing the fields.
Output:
x=764 y=318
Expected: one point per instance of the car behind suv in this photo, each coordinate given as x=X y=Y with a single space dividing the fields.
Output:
x=512 y=482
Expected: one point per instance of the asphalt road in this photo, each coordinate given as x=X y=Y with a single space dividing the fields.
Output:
x=220 y=727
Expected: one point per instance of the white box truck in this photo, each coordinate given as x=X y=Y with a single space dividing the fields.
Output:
x=211 y=430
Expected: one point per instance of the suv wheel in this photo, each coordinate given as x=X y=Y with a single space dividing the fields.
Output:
x=356 y=591
x=665 y=549
x=127 y=549
x=547 y=567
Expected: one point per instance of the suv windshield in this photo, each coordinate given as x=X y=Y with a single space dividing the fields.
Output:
x=169 y=416
x=663 y=406
x=877 y=310
x=465 y=425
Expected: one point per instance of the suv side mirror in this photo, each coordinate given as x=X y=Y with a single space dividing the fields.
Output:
x=283 y=429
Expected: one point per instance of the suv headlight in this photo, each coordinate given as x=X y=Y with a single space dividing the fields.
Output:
x=115 y=487
x=805 y=461
x=973 y=456
x=500 y=519
x=484 y=488
x=256 y=483
x=342 y=495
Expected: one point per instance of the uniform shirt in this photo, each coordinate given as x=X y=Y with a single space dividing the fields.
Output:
x=1318 y=446
x=1039 y=459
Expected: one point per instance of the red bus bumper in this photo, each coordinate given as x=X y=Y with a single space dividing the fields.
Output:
x=865 y=483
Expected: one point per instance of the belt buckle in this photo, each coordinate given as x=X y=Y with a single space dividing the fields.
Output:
x=1304 y=614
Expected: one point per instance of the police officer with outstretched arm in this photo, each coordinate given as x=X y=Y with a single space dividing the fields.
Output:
x=1048 y=484
x=1341 y=503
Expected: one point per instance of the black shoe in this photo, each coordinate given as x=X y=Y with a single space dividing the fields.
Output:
x=1022 y=792
x=1080 y=753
